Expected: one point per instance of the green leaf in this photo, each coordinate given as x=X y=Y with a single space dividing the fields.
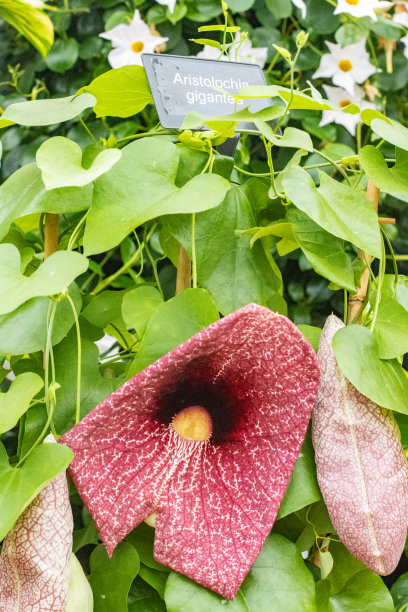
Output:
x=189 y=312
x=292 y=137
x=121 y=92
x=184 y=595
x=47 y=112
x=138 y=306
x=94 y=387
x=350 y=586
x=33 y=24
x=16 y=401
x=312 y=334
x=142 y=597
x=19 y=486
x=155 y=578
x=25 y=329
x=142 y=538
x=325 y=252
x=111 y=578
x=364 y=591
x=227 y=267
x=391 y=329
x=60 y=162
x=53 y=276
x=400 y=292
x=105 y=308
x=392 y=131
x=390 y=180
x=83 y=537
x=63 y=55
x=24 y=193
x=195 y=120
x=140 y=187
x=339 y=209
x=303 y=488
x=383 y=382
x=399 y=592
x=279 y=580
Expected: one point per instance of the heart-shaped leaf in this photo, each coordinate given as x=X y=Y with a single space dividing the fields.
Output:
x=361 y=466
x=382 y=381
x=24 y=193
x=47 y=112
x=121 y=92
x=17 y=400
x=53 y=276
x=339 y=209
x=60 y=162
x=390 y=180
x=111 y=578
x=140 y=187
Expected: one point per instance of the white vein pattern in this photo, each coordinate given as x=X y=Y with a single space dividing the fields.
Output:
x=35 y=557
x=215 y=502
x=361 y=466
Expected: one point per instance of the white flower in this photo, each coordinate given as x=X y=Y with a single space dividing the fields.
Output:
x=300 y=5
x=361 y=8
x=404 y=41
x=342 y=98
x=400 y=15
x=170 y=3
x=346 y=66
x=246 y=53
x=209 y=52
x=130 y=41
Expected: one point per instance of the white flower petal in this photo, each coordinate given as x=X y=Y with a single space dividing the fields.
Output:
x=300 y=5
x=345 y=80
x=170 y=3
x=328 y=66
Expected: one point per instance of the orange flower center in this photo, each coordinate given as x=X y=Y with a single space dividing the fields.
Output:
x=193 y=423
x=344 y=103
x=137 y=46
x=352 y=2
x=345 y=65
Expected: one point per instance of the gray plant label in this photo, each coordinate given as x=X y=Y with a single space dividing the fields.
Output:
x=181 y=85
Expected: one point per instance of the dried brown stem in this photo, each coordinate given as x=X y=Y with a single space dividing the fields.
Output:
x=50 y=234
x=356 y=300
x=389 y=220
x=183 y=270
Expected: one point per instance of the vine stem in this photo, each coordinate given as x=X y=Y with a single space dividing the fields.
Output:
x=79 y=362
x=355 y=301
x=134 y=259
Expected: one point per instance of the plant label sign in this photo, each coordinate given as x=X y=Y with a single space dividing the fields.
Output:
x=181 y=85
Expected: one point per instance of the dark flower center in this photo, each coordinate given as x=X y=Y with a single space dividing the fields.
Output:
x=214 y=408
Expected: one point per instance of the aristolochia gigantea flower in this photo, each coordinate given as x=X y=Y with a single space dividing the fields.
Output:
x=130 y=41
x=206 y=438
x=342 y=99
x=361 y=466
x=36 y=561
x=361 y=8
x=346 y=66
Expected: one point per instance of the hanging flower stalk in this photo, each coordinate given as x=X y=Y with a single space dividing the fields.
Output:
x=35 y=557
x=206 y=438
x=361 y=466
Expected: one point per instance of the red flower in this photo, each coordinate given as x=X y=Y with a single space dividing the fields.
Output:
x=252 y=379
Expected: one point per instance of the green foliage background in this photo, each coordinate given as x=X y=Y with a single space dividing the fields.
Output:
x=107 y=295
